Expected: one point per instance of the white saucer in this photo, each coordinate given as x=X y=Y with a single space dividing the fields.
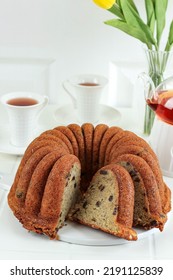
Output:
x=67 y=114
x=5 y=146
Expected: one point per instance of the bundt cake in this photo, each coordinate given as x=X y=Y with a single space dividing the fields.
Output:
x=103 y=177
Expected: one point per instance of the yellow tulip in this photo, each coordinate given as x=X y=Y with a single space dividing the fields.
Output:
x=105 y=4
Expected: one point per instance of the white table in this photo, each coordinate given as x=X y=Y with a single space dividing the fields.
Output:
x=17 y=243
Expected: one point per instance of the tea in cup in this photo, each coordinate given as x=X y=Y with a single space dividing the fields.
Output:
x=23 y=109
x=86 y=92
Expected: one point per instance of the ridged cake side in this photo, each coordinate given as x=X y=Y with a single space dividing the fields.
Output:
x=52 y=189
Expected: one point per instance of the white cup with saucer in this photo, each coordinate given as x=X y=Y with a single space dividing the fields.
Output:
x=23 y=109
x=86 y=91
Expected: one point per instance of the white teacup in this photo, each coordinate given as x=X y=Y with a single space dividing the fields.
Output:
x=86 y=91
x=23 y=109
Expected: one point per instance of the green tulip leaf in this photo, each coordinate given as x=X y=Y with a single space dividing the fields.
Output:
x=171 y=33
x=170 y=38
x=149 y=6
x=130 y=30
x=131 y=3
x=128 y=20
x=132 y=18
x=160 y=12
x=115 y=9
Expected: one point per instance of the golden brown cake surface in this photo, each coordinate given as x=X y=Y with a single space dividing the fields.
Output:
x=88 y=132
x=99 y=132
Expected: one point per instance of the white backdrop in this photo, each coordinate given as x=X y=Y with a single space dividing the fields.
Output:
x=70 y=33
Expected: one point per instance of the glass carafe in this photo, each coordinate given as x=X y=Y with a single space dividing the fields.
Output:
x=160 y=100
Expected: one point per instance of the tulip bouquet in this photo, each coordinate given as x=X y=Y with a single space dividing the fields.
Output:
x=128 y=19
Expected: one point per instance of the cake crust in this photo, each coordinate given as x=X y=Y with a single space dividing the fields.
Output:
x=110 y=132
x=99 y=132
x=61 y=136
x=88 y=132
x=69 y=134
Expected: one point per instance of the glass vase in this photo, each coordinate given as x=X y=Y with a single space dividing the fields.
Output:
x=157 y=64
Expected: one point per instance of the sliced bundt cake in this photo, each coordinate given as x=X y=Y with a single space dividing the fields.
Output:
x=63 y=160
x=104 y=205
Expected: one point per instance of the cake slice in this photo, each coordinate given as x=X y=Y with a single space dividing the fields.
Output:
x=60 y=193
x=148 y=211
x=104 y=205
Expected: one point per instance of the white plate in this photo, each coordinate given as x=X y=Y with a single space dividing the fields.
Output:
x=44 y=123
x=67 y=114
x=74 y=233
x=83 y=235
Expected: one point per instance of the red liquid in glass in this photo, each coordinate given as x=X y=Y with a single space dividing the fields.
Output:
x=163 y=106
